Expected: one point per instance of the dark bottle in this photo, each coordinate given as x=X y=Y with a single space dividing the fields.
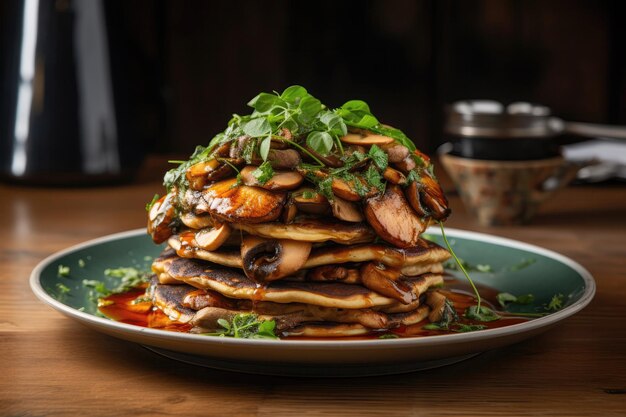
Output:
x=63 y=110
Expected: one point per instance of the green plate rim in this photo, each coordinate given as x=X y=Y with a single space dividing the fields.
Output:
x=529 y=326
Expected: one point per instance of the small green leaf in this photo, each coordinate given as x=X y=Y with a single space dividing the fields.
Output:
x=264 y=102
x=264 y=147
x=368 y=121
x=320 y=142
x=556 y=303
x=464 y=328
x=309 y=108
x=263 y=173
x=504 y=298
x=151 y=203
x=63 y=271
x=484 y=268
x=379 y=157
x=356 y=106
x=63 y=289
x=257 y=127
x=224 y=323
x=294 y=94
x=481 y=314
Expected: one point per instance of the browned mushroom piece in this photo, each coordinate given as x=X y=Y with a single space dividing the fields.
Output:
x=160 y=217
x=229 y=202
x=212 y=238
x=383 y=280
x=310 y=201
x=434 y=199
x=442 y=309
x=271 y=259
x=348 y=191
x=395 y=152
x=406 y=165
x=413 y=195
x=331 y=161
x=366 y=139
x=202 y=173
x=394 y=176
x=280 y=181
x=334 y=273
x=393 y=219
x=284 y=159
x=345 y=210
x=289 y=212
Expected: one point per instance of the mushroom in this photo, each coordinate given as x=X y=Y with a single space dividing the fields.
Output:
x=289 y=212
x=427 y=199
x=393 y=219
x=280 y=181
x=406 y=165
x=229 y=202
x=394 y=176
x=204 y=172
x=313 y=203
x=160 y=217
x=329 y=160
x=334 y=273
x=383 y=280
x=442 y=311
x=212 y=238
x=367 y=139
x=271 y=259
x=284 y=158
x=347 y=189
x=345 y=210
x=395 y=152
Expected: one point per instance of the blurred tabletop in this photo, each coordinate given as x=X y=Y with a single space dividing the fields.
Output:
x=52 y=365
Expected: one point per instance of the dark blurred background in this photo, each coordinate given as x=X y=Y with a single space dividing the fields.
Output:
x=187 y=66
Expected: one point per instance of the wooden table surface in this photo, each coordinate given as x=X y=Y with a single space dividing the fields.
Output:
x=51 y=365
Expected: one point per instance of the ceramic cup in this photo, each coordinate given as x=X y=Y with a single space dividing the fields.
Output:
x=505 y=192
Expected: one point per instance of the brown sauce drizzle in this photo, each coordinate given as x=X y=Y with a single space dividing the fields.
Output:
x=123 y=308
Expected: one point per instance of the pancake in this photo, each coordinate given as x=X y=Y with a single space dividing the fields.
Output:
x=175 y=301
x=234 y=284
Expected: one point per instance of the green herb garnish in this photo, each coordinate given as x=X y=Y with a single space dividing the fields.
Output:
x=477 y=312
x=263 y=173
x=556 y=303
x=524 y=263
x=246 y=326
x=81 y=263
x=151 y=203
x=505 y=298
x=63 y=289
x=63 y=271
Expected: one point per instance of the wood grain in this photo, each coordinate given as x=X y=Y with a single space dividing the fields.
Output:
x=52 y=366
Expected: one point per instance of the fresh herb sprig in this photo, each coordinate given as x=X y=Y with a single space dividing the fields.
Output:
x=246 y=326
x=477 y=312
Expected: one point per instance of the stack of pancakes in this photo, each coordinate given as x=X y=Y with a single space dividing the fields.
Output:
x=345 y=261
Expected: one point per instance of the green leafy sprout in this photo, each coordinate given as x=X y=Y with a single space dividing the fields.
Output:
x=245 y=326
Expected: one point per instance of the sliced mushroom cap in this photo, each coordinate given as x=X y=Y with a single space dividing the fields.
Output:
x=347 y=189
x=366 y=139
x=334 y=273
x=406 y=165
x=271 y=259
x=242 y=203
x=284 y=159
x=393 y=219
x=442 y=310
x=289 y=212
x=280 y=181
x=395 y=152
x=328 y=160
x=310 y=201
x=346 y=211
x=427 y=199
x=160 y=217
x=394 y=176
x=202 y=173
x=214 y=237
x=386 y=281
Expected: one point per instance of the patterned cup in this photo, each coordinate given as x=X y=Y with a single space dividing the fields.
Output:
x=506 y=192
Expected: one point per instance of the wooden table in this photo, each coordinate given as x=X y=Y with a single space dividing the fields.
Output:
x=50 y=365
